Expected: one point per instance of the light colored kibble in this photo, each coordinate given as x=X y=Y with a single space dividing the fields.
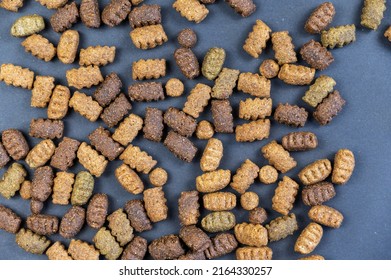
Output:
x=212 y=155
x=315 y=172
x=268 y=174
x=204 y=130
x=326 y=215
x=251 y=234
x=40 y=154
x=158 y=177
x=245 y=176
x=213 y=181
x=174 y=87
x=344 y=163
x=309 y=238
x=249 y=200
x=219 y=201
x=129 y=179
x=285 y=195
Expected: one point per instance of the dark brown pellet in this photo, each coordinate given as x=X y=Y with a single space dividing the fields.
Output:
x=180 y=122
x=46 y=128
x=192 y=256
x=4 y=158
x=329 y=108
x=257 y=216
x=145 y=15
x=243 y=7
x=222 y=244
x=318 y=193
x=42 y=224
x=187 y=38
x=148 y=91
x=42 y=184
x=72 y=222
x=222 y=116
x=89 y=13
x=291 y=115
x=64 y=154
x=316 y=55
x=187 y=63
x=115 y=12
x=153 y=124
x=320 y=18
x=136 y=249
x=101 y=139
x=180 y=146
x=97 y=210
x=116 y=111
x=64 y=17
x=36 y=206
x=195 y=238
x=299 y=141
x=108 y=90
x=188 y=208
x=9 y=221
x=137 y=215
x=282 y=227
x=167 y=247
x=15 y=144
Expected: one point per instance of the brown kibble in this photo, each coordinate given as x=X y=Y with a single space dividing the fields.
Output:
x=243 y=7
x=213 y=181
x=187 y=62
x=31 y=242
x=268 y=174
x=309 y=238
x=316 y=55
x=299 y=141
x=148 y=37
x=167 y=247
x=257 y=215
x=249 y=200
x=101 y=139
x=96 y=55
x=282 y=227
x=89 y=13
x=315 y=172
x=148 y=91
x=284 y=50
x=153 y=124
x=192 y=256
x=97 y=210
x=65 y=154
x=174 y=87
x=80 y=250
x=180 y=122
x=180 y=146
x=84 y=77
x=128 y=129
x=257 y=39
x=64 y=17
x=197 y=100
x=329 y=108
x=278 y=157
x=218 y=221
x=187 y=38
x=12 y=179
x=204 y=130
x=387 y=33
x=25 y=190
x=312 y=258
x=158 y=177
x=251 y=235
x=145 y=15
x=137 y=215
x=222 y=244
x=9 y=221
x=67 y=46
x=291 y=115
x=222 y=116
x=219 y=201
x=254 y=253
x=245 y=176
x=212 y=155
x=254 y=84
x=91 y=160
x=285 y=195
x=138 y=159
x=39 y=47
x=188 y=208
x=42 y=91
x=129 y=179
x=148 y=69
x=15 y=144
x=115 y=12
x=320 y=18
x=319 y=90
x=42 y=224
x=292 y=74
x=155 y=204
x=192 y=10
x=72 y=222
x=16 y=76
x=40 y=154
x=46 y=128
x=318 y=193
x=62 y=187
x=108 y=90
x=11 y=5
x=120 y=227
x=57 y=251
x=83 y=188
x=136 y=249
x=225 y=83
x=326 y=215
x=42 y=184
x=255 y=130
x=194 y=238
x=36 y=206
x=58 y=104
x=343 y=166
x=269 y=68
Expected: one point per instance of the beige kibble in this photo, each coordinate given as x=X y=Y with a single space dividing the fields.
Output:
x=315 y=172
x=155 y=204
x=148 y=69
x=268 y=174
x=52 y=4
x=219 y=201
x=245 y=176
x=67 y=46
x=254 y=109
x=128 y=129
x=254 y=84
x=80 y=250
x=16 y=76
x=57 y=252
x=11 y=5
x=343 y=166
x=269 y=68
x=285 y=195
x=197 y=100
x=40 y=154
x=84 y=77
x=91 y=160
x=62 y=187
x=249 y=200
x=85 y=106
x=387 y=33
x=158 y=177
x=174 y=87
x=278 y=157
x=251 y=234
x=213 y=181
x=120 y=227
x=97 y=55
x=253 y=131
x=129 y=179
x=309 y=238
x=284 y=50
x=58 y=104
x=204 y=130
x=39 y=47
x=212 y=155
x=192 y=10
x=292 y=74
x=148 y=37
x=25 y=190
x=138 y=159
x=42 y=91
x=254 y=253
x=257 y=39
x=326 y=215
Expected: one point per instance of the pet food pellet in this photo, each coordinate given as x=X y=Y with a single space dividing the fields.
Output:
x=128 y=129
x=213 y=181
x=315 y=172
x=72 y=222
x=97 y=210
x=245 y=176
x=309 y=238
x=116 y=111
x=316 y=55
x=153 y=124
x=182 y=147
x=42 y=224
x=213 y=63
x=136 y=2
x=249 y=200
x=138 y=159
x=100 y=138
x=91 y=159
x=167 y=247
x=174 y=87
x=62 y=188
x=65 y=154
x=254 y=84
x=187 y=63
x=137 y=215
x=105 y=242
x=58 y=104
x=291 y=115
x=64 y=17
x=285 y=195
x=197 y=100
x=195 y=238
x=192 y=10
x=318 y=193
x=40 y=154
x=296 y=75
x=96 y=55
x=257 y=215
x=42 y=91
x=252 y=131
x=80 y=250
x=278 y=157
x=326 y=215
x=46 y=128
x=39 y=47
x=251 y=235
x=148 y=69
x=222 y=116
x=42 y=183
x=108 y=90
x=15 y=144
x=148 y=37
x=187 y=38
x=57 y=251
x=9 y=221
x=11 y=5
x=36 y=206
x=268 y=174
x=222 y=244
x=219 y=201
x=343 y=166
x=145 y=15
x=329 y=108
x=84 y=77
x=25 y=190
x=319 y=90
x=89 y=13
x=188 y=208
x=225 y=83
x=136 y=249
x=282 y=227
x=16 y=76
x=11 y=180
x=212 y=155
x=339 y=36
x=115 y=12
x=31 y=242
x=158 y=177
x=257 y=39
x=320 y=18
x=387 y=33
x=192 y=256
x=299 y=141
x=155 y=204
x=269 y=68
x=313 y=258
x=372 y=13
x=148 y=91
x=254 y=253
x=27 y=25
x=52 y=4
x=67 y=46
x=284 y=50
x=180 y=122
x=218 y=221
x=82 y=188
x=204 y=130
x=120 y=227
x=244 y=8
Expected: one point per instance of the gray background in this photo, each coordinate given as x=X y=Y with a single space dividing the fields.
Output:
x=360 y=69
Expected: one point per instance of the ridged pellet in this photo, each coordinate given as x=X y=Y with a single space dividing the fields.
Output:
x=222 y=244
x=251 y=235
x=72 y=222
x=82 y=188
x=218 y=221
x=182 y=147
x=137 y=215
x=97 y=210
x=318 y=193
x=245 y=176
x=42 y=183
x=213 y=181
x=282 y=227
x=320 y=18
x=285 y=195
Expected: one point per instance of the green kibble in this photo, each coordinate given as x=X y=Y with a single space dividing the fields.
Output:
x=27 y=25
x=213 y=63
x=218 y=221
x=339 y=36
x=106 y=244
x=319 y=90
x=372 y=13
x=31 y=242
x=83 y=188
x=12 y=180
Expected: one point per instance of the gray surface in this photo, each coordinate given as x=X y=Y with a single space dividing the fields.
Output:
x=362 y=74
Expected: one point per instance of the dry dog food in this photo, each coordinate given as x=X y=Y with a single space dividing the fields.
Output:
x=148 y=91
x=136 y=249
x=326 y=215
x=222 y=116
x=97 y=55
x=218 y=221
x=100 y=138
x=251 y=235
x=291 y=115
x=138 y=159
x=299 y=141
x=204 y=130
x=42 y=224
x=11 y=5
x=225 y=83
x=167 y=247
x=318 y=193
x=249 y=200
x=57 y=251
x=84 y=77
x=15 y=144
x=387 y=33
x=105 y=242
x=64 y=17
x=197 y=100
x=192 y=10
x=372 y=13
x=315 y=172
x=80 y=250
x=153 y=124
x=108 y=90
x=65 y=154
x=128 y=129
x=329 y=108
x=278 y=157
x=338 y=36
x=58 y=104
x=83 y=188
x=148 y=69
x=97 y=210
x=269 y=68
x=296 y=74
x=319 y=90
x=187 y=63
x=174 y=87
x=268 y=174
x=145 y=15
x=67 y=46
x=158 y=177
x=40 y=154
x=180 y=122
x=36 y=206
x=243 y=7
x=148 y=37
x=91 y=159
x=89 y=13
x=16 y=76
x=254 y=84
x=254 y=109
x=222 y=244
x=192 y=256
x=284 y=50
x=285 y=195
x=31 y=242
x=42 y=91
x=257 y=39
x=39 y=47
x=188 y=208
x=245 y=176
x=180 y=146
x=155 y=204
x=320 y=18
x=187 y=38
x=25 y=190
x=254 y=253
x=255 y=130
x=195 y=238
x=116 y=111
x=137 y=215
x=257 y=215
x=316 y=55
x=309 y=238
x=120 y=227
x=9 y=221
x=213 y=63
x=213 y=181
x=11 y=180
x=62 y=187
x=46 y=128
x=212 y=155
x=282 y=227
x=343 y=166
x=219 y=201
x=27 y=25
x=72 y=222
x=129 y=179
x=115 y=12
x=136 y=2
